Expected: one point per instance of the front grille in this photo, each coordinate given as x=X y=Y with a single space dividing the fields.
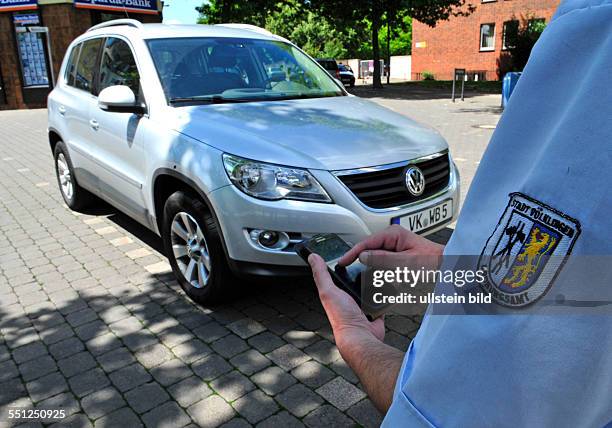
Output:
x=386 y=188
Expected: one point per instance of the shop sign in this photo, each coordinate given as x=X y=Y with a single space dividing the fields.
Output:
x=135 y=6
x=11 y=5
x=26 y=19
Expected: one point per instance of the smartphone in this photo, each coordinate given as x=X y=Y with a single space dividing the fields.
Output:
x=331 y=247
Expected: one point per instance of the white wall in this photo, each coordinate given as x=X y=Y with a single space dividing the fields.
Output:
x=401 y=67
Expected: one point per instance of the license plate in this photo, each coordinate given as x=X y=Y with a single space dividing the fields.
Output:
x=427 y=218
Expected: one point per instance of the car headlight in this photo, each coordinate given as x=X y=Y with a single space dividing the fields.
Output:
x=273 y=182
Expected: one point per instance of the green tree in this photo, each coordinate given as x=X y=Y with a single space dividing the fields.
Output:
x=521 y=39
x=313 y=33
x=427 y=11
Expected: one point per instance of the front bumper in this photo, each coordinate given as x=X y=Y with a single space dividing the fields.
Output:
x=238 y=213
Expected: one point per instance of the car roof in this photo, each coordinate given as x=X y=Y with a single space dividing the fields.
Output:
x=164 y=31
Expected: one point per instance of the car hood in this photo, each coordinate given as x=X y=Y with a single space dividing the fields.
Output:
x=323 y=133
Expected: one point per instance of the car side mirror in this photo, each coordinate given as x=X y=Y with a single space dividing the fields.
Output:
x=119 y=99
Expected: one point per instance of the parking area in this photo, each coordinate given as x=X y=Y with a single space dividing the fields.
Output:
x=92 y=321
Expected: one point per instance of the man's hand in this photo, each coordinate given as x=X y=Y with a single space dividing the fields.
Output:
x=394 y=242
x=346 y=318
x=359 y=341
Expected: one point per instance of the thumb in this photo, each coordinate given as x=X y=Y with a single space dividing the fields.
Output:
x=319 y=271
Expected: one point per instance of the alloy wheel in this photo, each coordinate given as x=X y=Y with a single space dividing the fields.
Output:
x=190 y=250
x=65 y=177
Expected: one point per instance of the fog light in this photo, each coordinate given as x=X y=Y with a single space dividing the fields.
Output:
x=269 y=239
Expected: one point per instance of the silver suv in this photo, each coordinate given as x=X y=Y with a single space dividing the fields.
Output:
x=234 y=145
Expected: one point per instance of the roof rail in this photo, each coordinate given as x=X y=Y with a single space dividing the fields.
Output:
x=249 y=27
x=116 y=22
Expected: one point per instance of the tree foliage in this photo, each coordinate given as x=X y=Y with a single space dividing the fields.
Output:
x=336 y=28
x=521 y=41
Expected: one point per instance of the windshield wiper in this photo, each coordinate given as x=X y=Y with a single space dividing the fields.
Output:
x=214 y=99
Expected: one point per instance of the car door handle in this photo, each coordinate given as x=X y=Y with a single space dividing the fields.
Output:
x=61 y=110
x=94 y=124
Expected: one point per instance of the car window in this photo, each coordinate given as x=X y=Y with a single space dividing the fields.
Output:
x=118 y=67
x=87 y=64
x=227 y=69
x=70 y=67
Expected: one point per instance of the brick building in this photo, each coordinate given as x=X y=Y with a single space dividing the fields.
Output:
x=34 y=35
x=475 y=42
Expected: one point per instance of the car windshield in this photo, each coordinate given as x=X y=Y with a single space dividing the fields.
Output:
x=216 y=70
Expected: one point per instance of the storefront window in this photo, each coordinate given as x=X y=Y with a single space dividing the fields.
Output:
x=32 y=50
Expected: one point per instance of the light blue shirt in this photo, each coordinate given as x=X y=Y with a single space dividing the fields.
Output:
x=551 y=157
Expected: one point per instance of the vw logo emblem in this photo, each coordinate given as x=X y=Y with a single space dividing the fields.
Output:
x=415 y=181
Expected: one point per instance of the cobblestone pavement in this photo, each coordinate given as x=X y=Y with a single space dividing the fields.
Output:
x=91 y=321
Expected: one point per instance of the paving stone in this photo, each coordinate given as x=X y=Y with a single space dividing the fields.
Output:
x=175 y=335
x=266 y=342
x=288 y=357
x=189 y=391
x=366 y=414
x=145 y=397
x=323 y=351
x=168 y=415
x=65 y=401
x=12 y=390
x=66 y=347
x=130 y=377
x=273 y=380
x=124 y=417
x=81 y=317
x=246 y=328
x=191 y=351
x=327 y=416
x=340 y=367
x=229 y=346
x=140 y=340
x=102 y=402
x=126 y=326
x=171 y=372
x=88 y=382
x=300 y=338
x=211 y=412
x=115 y=359
x=29 y=352
x=341 y=393
x=312 y=320
x=211 y=332
x=102 y=344
x=76 y=364
x=235 y=423
x=250 y=362
x=78 y=420
x=8 y=370
x=35 y=368
x=299 y=400
x=46 y=386
x=255 y=406
x=91 y=330
x=152 y=356
x=211 y=367
x=397 y=341
x=313 y=374
x=282 y=419
x=232 y=385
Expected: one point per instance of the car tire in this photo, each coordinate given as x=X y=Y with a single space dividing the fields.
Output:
x=74 y=195
x=194 y=247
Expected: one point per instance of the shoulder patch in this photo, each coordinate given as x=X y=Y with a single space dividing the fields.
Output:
x=526 y=251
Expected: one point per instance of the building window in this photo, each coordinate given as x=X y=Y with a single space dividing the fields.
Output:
x=487 y=37
x=509 y=35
